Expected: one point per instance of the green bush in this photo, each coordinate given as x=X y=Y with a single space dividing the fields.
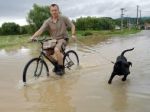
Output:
x=87 y=33
x=94 y=23
x=10 y=28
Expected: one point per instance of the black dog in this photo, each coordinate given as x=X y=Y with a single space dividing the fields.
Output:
x=121 y=66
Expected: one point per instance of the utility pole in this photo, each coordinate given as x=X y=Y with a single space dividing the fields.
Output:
x=137 y=19
x=122 y=13
x=128 y=22
x=140 y=19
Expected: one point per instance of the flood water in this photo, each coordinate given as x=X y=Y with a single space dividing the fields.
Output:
x=84 y=90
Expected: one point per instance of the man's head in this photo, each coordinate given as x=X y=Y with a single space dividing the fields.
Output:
x=54 y=10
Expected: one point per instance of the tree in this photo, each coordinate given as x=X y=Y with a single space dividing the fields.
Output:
x=0 y=31
x=10 y=28
x=94 y=23
x=25 y=29
x=37 y=15
x=147 y=21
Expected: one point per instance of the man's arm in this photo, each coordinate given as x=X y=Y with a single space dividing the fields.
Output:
x=40 y=31
x=36 y=34
x=72 y=26
x=73 y=31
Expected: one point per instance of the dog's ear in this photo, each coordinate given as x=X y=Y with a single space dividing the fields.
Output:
x=130 y=63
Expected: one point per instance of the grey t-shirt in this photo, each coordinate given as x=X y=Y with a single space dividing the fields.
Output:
x=57 y=30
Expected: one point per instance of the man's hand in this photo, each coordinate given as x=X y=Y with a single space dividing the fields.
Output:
x=32 y=39
x=74 y=38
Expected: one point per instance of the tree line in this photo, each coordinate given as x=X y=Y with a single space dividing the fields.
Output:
x=38 y=14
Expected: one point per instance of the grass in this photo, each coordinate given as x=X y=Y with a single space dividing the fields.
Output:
x=89 y=36
x=124 y=32
x=12 y=40
x=93 y=37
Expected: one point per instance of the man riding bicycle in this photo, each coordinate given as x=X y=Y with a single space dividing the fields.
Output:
x=57 y=26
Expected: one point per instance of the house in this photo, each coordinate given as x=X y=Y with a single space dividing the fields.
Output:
x=147 y=26
x=117 y=27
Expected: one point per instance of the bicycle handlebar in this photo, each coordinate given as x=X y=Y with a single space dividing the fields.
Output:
x=40 y=40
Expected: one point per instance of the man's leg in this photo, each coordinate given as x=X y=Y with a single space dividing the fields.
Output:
x=50 y=53
x=59 y=56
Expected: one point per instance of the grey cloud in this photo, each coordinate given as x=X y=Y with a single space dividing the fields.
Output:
x=18 y=9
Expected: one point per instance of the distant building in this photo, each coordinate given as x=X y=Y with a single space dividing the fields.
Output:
x=147 y=26
x=117 y=27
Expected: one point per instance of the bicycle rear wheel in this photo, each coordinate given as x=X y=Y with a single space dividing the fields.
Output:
x=71 y=60
x=35 y=69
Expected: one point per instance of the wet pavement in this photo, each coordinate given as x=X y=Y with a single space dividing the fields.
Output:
x=83 y=90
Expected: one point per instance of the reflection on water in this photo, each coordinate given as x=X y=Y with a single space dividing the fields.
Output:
x=120 y=97
x=84 y=90
x=50 y=96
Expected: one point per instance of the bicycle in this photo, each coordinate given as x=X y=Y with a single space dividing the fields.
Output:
x=35 y=67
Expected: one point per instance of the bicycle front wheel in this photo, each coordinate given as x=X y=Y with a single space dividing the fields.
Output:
x=35 y=69
x=71 y=60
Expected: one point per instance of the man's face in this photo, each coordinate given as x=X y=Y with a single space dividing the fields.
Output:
x=54 y=11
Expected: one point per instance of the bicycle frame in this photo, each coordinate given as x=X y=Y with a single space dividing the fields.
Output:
x=50 y=59
x=39 y=62
x=41 y=57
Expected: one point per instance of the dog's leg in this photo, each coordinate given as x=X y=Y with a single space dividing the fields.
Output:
x=124 y=78
x=111 y=78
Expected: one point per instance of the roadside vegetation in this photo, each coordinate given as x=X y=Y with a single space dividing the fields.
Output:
x=11 y=34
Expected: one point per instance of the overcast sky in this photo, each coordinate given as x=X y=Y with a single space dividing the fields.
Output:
x=17 y=10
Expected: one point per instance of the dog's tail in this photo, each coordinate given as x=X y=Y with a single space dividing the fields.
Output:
x=122 y=54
